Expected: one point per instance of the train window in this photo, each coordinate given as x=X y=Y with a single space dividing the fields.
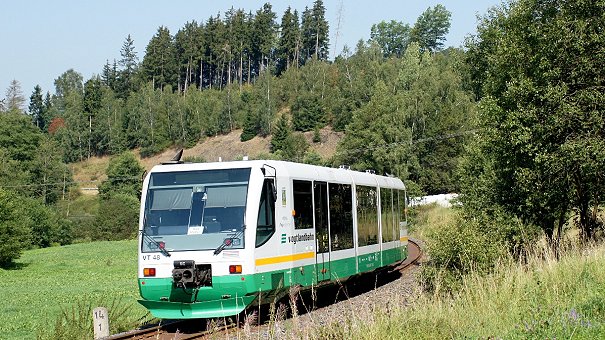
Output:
x=341 y=216
x=265 y=226
x=386 y=204
x=320 y=201
x=303 y=204
x=401 y=208
x=367 y=216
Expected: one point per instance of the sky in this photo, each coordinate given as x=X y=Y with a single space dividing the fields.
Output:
x=41 y=39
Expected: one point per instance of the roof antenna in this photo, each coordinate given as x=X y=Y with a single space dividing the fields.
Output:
x=176 y=159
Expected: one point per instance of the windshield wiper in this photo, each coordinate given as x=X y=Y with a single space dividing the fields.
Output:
x=160 y=246
x=224 y=244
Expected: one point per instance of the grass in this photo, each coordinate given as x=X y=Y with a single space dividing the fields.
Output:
x=51 y=282
x=545 y=299
x=542 y=298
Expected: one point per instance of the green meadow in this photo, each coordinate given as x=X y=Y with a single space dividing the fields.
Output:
x=54 y=288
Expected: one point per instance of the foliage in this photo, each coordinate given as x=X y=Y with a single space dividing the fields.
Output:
x=314 y=32
x=159 y=64
x=15 y=227
x=307 y=113
x=392 y=37
x=117 y=218
x=471 y=244
x=541 y=111
x=18 y=137
x=544 y=299
x=14 y=98
x=48 y=227
x=37 y=110
x=124 y=175
x=431 y=27
x=74 y=321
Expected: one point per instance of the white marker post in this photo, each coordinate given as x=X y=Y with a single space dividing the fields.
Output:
x=100 y=322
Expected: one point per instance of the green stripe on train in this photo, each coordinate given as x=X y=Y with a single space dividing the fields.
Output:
x=231 y=294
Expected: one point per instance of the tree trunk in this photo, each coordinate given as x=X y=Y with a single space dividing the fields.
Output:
x=201 y=73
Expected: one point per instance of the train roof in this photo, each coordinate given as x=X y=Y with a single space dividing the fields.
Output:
x=294 y=171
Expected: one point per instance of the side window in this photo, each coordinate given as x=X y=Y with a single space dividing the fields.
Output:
x=303 y=204
x=402 y=209
x=367 y=216
x=386 y=205
x=265 y=226
x=341 y=216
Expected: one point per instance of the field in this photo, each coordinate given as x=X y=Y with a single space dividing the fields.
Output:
x=47 y=282
x=540 y=298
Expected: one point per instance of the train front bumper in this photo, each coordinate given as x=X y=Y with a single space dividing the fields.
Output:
x=195 y=310
x=228 y=296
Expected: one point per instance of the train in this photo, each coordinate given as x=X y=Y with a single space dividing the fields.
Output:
x=216 y=238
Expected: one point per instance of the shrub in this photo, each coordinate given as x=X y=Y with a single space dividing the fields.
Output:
x=472 y=245
x=117 y=218
x=15 y=227
x=48 y=228
x=123 y=176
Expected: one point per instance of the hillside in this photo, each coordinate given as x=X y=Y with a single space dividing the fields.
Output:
x=89 y=173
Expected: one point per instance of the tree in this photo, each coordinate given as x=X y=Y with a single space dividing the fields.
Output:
x=263 y=36
x=307 y=113
x=315 y=32
x=289 y=42
x=109 y=75
x=281 y=134
x=160 y=65
x=91 y=103
x=541 y=146
x=15 y=227
x=19 y=138
x=68 y=82
x=47 y=170
x=393 y=37
x=117 y=218
x=14 y=97
x=431 y=27
x=129 y=63
x=286 y=144
x=37 y=109
x=123 y=177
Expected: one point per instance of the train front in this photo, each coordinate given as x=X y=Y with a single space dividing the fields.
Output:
x=195 y=251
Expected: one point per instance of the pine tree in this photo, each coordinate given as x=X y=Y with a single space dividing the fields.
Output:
x=109 y=75
x=160 y=63
x=288 y=41
x=189 y=42
x=36 y=108
x=129 y=64
x=92 y=105
x=315 y=30
x=264 y=31
x=281 y=134
x=14 y=97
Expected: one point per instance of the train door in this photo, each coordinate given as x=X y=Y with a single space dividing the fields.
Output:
x=322 y=232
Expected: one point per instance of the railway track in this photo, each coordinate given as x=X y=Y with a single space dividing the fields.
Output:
x=192 y=329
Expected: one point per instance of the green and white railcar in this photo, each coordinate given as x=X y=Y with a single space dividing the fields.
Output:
x=216 y=238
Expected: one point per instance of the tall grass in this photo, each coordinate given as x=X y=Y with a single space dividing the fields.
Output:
x=541 y=298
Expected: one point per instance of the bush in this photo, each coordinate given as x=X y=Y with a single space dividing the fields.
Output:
x=15 y=227
x=123 y=176
x=48 y=228
x=472 y=245
x=117 y=218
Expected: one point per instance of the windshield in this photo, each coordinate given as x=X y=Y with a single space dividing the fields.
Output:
x=195 y=210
